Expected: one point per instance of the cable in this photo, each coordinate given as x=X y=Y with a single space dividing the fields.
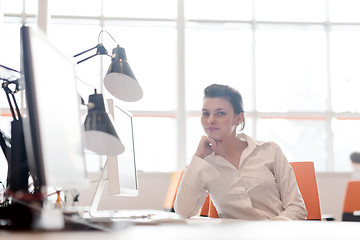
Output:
x=107 y=33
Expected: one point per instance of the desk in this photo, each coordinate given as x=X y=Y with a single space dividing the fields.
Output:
x=214 y=229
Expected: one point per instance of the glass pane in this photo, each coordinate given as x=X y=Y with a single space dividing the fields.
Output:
x=5 y=124
x=155 y=144
x=218 y=54
x=11 y=6
x=140 y=8
x=75 y=8
x=10 y=55
x=73 y=38
x=291 y=69
x=294 y=10
x=344 y=71
x=151 y=53
x=31 y=6
x=10 y=45
x=300 y=140
x=346 y=133
x=344 y=10
x=218 y=9
x=249 y=126
x=194 y=131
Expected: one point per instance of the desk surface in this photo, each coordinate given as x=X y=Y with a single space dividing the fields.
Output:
x=208 y=229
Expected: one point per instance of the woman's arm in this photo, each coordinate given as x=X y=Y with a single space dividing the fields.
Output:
x=192 y=193
x=293 y=203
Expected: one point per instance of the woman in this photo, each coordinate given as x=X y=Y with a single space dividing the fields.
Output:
x=245 y=179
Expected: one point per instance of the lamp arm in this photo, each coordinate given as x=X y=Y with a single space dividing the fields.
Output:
x=86 y=51
x=16 y=106
x=100 y=50
x=8 y=92
x=7 y=68
x=86 y=58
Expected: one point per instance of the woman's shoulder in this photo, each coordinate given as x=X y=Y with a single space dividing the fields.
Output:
x=258 y=143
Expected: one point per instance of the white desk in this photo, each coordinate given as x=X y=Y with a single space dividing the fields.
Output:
x=215 y=229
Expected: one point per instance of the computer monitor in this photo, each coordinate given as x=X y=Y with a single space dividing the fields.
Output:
x=53 y=132
x=121 y=169
x=122 y=173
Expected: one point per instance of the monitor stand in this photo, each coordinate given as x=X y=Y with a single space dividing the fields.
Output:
x=93 y=211
x=105 y=215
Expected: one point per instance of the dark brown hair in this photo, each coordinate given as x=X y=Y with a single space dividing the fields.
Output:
x=229 y=93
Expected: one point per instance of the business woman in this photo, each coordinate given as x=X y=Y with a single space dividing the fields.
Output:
x=245 y=179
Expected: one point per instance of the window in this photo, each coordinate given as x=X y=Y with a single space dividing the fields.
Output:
x=295 y=63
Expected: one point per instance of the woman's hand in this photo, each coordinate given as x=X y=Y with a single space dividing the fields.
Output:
x=206 y=146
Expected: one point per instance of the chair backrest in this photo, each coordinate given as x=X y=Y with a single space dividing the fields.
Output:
x=172 y=190
x=306 y=180
x=208 y=209
x=351 y=201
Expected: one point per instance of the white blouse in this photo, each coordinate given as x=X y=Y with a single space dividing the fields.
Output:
x=262 y=187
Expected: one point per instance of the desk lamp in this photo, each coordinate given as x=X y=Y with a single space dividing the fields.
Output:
x=13 y=214
x=99 y=129
x=120 y=81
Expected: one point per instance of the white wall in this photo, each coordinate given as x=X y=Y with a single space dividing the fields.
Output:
x=153 y=188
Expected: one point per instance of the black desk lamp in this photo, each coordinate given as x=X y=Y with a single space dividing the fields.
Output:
x=100 y=134
x=14 y=151
x=120 y=80
x=12 y=213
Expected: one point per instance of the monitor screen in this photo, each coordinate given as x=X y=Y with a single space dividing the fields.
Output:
x=52 y=126
x=122 y=175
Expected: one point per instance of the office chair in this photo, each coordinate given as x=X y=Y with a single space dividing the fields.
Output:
x=351 y=202
x=208 y=209
x=306 y=180
x=172 y=190
x=305 y=177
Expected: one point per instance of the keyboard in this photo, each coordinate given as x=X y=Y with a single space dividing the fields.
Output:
x=137 y=216
x=118 y=219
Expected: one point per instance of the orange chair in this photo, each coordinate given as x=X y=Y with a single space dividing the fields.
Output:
x=306 y=180
x=208 y=209
x=305 y=177
x=172 y=190
x=351 y=201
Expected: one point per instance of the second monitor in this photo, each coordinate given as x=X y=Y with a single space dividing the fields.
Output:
x=122 y=168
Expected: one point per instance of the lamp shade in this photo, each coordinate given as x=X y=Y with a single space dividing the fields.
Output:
x=120 y=81
x=100 y=134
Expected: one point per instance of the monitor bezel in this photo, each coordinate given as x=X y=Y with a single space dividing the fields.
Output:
x=45 y=166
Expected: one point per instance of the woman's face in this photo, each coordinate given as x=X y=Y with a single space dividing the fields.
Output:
x=218 y=118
